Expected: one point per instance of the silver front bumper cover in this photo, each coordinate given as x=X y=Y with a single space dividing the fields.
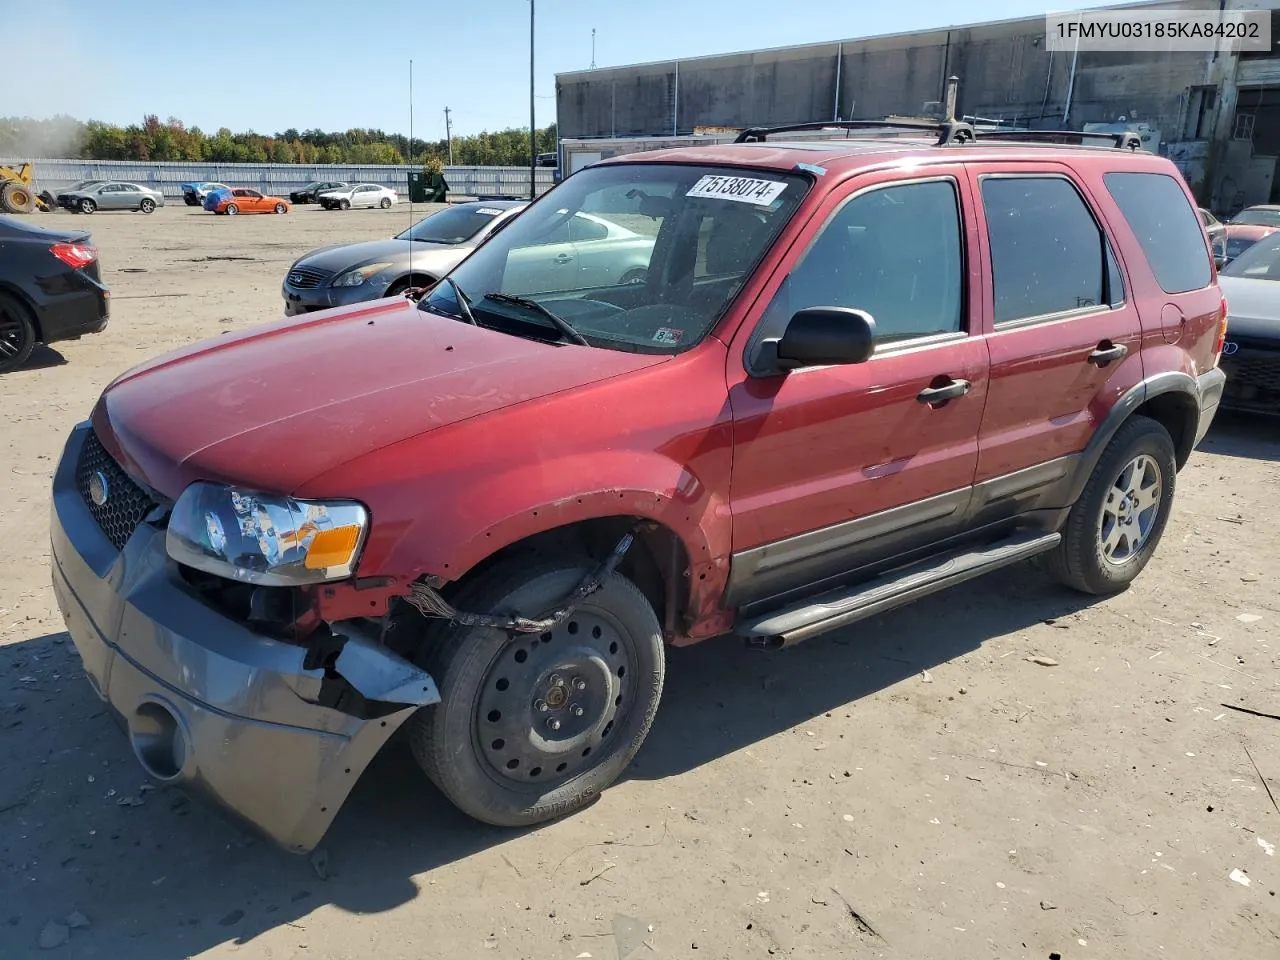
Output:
x=229 y=714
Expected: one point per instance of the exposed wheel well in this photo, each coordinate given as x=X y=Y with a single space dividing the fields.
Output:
x=657 y=562
x=412 y=280
x=1176 y=412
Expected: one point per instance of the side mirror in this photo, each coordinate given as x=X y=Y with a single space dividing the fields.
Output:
x=817 y=337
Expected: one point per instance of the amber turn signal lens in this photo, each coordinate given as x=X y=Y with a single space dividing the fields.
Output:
x=332 y=548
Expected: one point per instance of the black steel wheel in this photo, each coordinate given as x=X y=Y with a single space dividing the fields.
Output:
x=17 y=334
x=531 y=727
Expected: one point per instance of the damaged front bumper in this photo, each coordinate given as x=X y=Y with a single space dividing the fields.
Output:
x=226 y=712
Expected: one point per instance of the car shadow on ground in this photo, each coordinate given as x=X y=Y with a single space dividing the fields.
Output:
x=162 y=878
x=41 y=358
x=1247 y=435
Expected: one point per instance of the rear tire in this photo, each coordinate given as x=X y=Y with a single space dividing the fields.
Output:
x=385 y=204
x=530 y=728
x=87 y=206
x=147 y=206
x=1114 y=528
x=17 y=334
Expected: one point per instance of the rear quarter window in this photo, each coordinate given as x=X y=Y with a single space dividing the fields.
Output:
x=1167 y=227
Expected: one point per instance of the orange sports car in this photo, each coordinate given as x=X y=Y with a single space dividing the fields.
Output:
x=244 y=200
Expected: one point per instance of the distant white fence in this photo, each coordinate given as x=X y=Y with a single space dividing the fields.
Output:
x=279 y=178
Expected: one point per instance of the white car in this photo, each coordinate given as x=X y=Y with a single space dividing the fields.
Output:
x=359 y=195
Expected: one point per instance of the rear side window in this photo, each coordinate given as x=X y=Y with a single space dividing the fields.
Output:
x=1165 y=225
x=1048 y=254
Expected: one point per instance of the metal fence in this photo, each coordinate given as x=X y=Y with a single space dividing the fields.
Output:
x=280 y=178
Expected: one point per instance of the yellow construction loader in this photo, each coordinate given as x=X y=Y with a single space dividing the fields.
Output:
x=16 y=193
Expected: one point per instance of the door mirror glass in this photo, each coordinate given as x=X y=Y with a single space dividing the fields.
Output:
x=819 y=336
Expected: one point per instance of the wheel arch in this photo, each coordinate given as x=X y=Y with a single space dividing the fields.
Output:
x=410 y=279
x=1171 y=398
x=24 y=302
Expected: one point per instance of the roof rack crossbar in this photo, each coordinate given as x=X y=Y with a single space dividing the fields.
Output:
x=1121 y=141
x=949 y=132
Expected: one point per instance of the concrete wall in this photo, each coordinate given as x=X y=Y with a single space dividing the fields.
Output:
x=1005 y=73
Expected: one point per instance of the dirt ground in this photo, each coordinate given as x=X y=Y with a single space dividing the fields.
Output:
x=917 y=787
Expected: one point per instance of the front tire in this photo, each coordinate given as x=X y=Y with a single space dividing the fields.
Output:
x=87 y=206
x=344 y=204
x=17 y=334
x=1114 y=528
x=147 y=206
x=529 y=727
x=232 y=210
x=281 y=208
x=386 y=203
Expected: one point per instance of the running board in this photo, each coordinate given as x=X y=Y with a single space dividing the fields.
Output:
x=839 y=608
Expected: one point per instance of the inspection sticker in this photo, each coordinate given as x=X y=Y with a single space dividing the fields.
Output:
x=743 y=189
x=489 y=211
x=667 y=335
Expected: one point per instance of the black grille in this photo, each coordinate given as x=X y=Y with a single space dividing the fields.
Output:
x=126 y=503
x=305 y=278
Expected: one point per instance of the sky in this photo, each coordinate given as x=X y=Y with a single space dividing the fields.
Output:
x=274 y=64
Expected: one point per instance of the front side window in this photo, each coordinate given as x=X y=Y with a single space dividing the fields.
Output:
x=895 y=252
x=1048 y=254
x=1164 y=222
x=637 y=257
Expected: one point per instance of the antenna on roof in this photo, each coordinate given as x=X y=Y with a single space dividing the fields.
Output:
x=949 y=106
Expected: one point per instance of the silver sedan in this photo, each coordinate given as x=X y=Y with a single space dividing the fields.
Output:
x=111 y=195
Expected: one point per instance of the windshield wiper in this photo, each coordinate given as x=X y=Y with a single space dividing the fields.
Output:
x=462 y=301
x=560 y=322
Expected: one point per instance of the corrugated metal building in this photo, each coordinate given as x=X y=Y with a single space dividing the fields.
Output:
x=1217 y=115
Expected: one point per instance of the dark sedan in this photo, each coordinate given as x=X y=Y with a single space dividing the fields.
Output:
x=421 y=255
x=50 y=289
x=312 y=190
x=1251 y=353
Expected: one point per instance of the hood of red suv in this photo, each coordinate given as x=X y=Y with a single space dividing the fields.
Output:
x=270 y=408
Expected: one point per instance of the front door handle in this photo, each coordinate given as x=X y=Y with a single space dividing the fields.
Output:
x=1108 y=354
x=564 y=258
x=935 y=396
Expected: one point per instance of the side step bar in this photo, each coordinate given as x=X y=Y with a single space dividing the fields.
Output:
x=839 y=608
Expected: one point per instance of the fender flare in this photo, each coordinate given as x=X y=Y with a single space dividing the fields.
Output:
x=1172 y=382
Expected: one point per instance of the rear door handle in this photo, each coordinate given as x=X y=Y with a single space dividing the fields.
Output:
x=934 y=396
x=1108 y=354
x=564 y=258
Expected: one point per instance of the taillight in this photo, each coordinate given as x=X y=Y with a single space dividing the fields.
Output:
x=75 y=255
x=1222 y=331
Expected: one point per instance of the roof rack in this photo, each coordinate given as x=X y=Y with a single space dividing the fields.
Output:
x=950 y=131
x=1127 y=140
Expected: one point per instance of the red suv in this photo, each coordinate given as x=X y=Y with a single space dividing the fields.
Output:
x=854 y=372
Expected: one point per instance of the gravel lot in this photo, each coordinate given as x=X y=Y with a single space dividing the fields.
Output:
x=917 y=787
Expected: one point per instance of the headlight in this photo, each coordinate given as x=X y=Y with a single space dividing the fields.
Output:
x=264 y=538
x=353 y=278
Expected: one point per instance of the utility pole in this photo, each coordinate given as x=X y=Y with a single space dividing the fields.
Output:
x=533 y=124
x=448 y=132
x=593 y=48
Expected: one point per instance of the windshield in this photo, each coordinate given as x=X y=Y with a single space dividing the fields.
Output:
x=1266 y=218
x=638 y=257
x=452 y=225
x=1260 y=262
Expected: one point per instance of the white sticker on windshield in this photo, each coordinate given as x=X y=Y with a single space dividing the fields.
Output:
x=742 y=189
x=489 y=211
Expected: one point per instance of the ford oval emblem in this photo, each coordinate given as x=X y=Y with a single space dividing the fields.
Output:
x=1230 y=347
x=99 y=488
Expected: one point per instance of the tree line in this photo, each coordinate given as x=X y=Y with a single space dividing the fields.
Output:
x=23 y=138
